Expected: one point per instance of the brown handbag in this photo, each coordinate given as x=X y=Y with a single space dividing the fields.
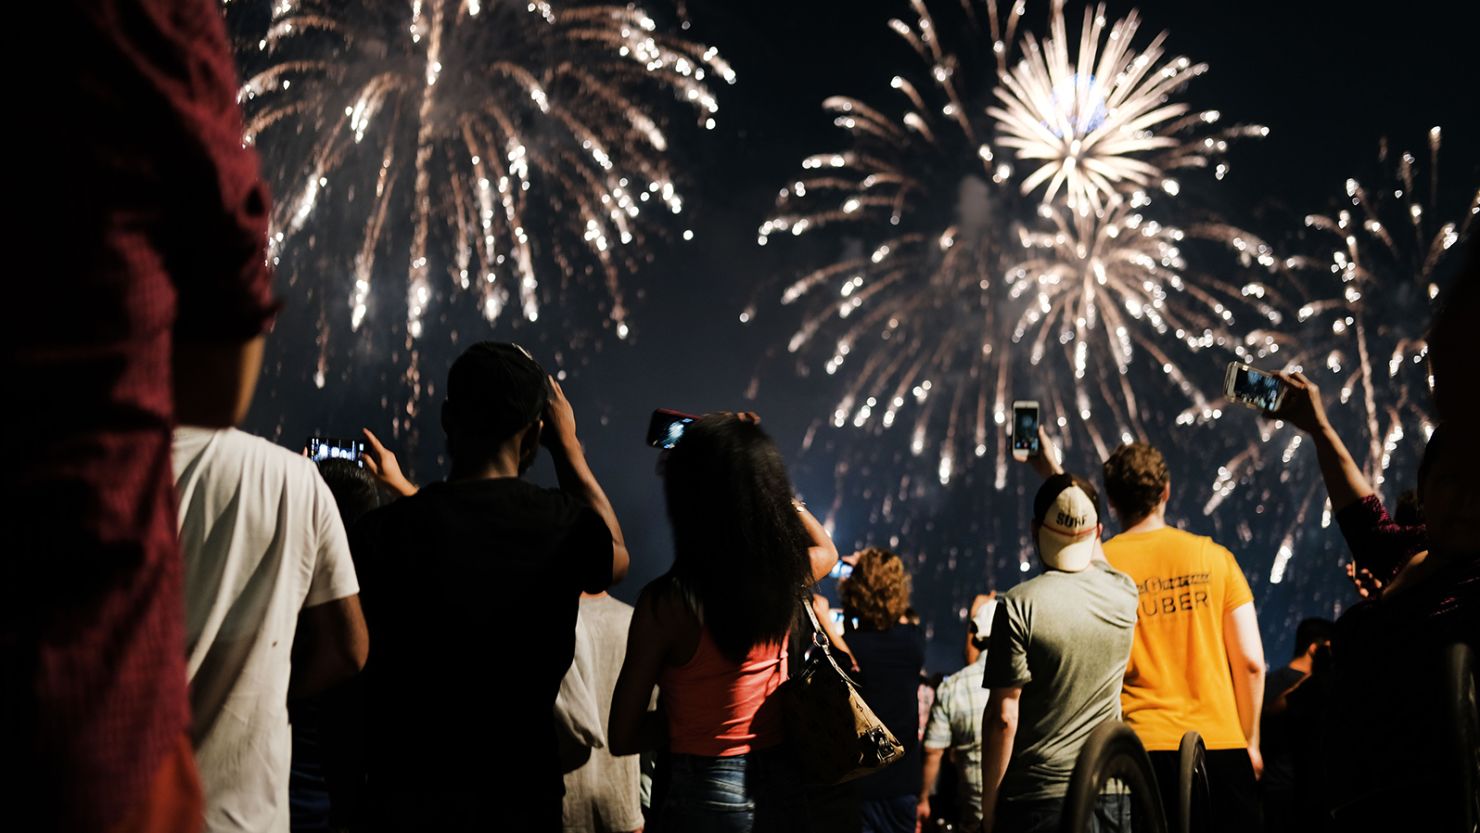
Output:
x=833 y=732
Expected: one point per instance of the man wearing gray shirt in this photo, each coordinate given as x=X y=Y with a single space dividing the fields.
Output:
x=1059 y=647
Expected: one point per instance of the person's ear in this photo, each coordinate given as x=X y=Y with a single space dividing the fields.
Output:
x=1166 y=492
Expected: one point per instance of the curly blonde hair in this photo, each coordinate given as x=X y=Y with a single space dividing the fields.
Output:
x=878 y=591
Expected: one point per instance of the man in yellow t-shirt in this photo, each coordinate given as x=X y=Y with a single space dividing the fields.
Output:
x=1197 y=662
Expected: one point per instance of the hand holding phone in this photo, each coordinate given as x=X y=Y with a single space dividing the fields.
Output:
x=1253 y=388
x=1301 y=406
x=1025 y=439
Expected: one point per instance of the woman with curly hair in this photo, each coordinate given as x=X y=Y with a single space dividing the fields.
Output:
x=890 y=653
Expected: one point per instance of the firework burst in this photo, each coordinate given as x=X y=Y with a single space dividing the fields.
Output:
x=489 y=140
x=1362 y=293
x=952 y=285
x=1100 y=122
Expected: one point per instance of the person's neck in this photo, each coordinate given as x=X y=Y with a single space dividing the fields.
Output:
x=1152 y=522
x=505 y=464
x=1301 y=664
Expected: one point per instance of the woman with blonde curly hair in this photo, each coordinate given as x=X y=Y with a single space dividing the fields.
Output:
x=890 y=653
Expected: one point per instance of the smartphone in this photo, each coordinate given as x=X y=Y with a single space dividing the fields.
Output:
x=841 y=570
x=1024 y=430
x=836 y=616
x=1253 y=387
x=666 y=427
x=330 y=448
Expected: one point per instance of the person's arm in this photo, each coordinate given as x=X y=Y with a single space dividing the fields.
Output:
x=330 y=646
x=930 y=772
x=999 y=730
x=1046 y=461
x=822 y=553
x=383 y=466
x=834 y=634
x=632 y=728
x=1302 y=408
x=575 y=475
x=1246 y=665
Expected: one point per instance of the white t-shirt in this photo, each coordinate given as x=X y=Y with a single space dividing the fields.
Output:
x=262 y=540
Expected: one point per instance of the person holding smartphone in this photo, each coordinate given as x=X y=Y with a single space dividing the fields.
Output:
x=439 y=739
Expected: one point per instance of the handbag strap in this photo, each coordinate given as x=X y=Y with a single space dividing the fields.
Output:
x=819 y=639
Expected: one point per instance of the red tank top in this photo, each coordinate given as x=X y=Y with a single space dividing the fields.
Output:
x=717 y=707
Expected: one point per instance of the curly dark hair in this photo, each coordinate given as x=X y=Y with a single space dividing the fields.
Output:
x=878 y=591
x=1135 y=477
x=739 y=548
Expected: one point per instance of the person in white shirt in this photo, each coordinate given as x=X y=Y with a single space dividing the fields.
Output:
x=262 y=543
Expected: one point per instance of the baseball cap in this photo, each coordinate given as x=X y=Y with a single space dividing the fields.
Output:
x=494 y=389
x=1067 y=511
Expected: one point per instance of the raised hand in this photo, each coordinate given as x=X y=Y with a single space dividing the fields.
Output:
x=383 y=464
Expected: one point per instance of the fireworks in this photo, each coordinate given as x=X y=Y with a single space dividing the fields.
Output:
x=952 y=287
x=1099 y=123
x=489 y=140
x=1362 y=294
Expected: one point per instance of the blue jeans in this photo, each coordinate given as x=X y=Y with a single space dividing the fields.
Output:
x=1112 y=815
x=889 y=815
x=752 y=793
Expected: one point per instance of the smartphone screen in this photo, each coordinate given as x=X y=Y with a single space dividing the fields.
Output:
x=1025 y=428
x=666 y=427
x=329 y=448
x=837 y=617
x=841 y=570
x=1256 y=388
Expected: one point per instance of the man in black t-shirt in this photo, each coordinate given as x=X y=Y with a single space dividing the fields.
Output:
x=471 y=588
x=1277 y=736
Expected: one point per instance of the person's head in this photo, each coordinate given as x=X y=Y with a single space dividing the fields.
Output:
x=496 y=393
x=1311 y=635
x=1448 y=490
x=354 y=489
x=740 y=552
x=1066 y=522
x=981 y=625
x=1409 y=511
x=1137 y=483
x=878 y=591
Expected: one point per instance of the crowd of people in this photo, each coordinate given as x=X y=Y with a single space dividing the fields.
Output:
x=203 y=630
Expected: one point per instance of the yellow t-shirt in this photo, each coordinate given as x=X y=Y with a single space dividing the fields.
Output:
x=1178 y=677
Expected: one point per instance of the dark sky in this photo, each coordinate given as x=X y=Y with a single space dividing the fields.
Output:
x=1328 y=78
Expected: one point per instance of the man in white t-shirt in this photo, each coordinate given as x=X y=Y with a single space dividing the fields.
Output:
x=262 y=542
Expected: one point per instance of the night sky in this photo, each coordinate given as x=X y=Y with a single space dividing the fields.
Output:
x=1328 y=78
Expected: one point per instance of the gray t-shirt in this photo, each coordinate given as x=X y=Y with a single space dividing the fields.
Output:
x=1065 y=638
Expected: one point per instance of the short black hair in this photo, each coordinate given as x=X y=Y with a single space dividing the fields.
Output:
x=354 y=489
x=1312 y=631
x=494 y=391
x=1056 y=484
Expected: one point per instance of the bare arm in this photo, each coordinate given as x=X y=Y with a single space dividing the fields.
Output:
x=1302 y=408
x=1246 y=666
x=632 y=728
x=823 y=554
x=214 y=381
x=576 y=477
x=931 y=772
x=999 y=730
x=330 y=646
x=384 y=466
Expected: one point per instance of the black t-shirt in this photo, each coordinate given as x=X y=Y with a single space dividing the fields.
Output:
x=1274 y=731
x=889 y=664
x=471 y=591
